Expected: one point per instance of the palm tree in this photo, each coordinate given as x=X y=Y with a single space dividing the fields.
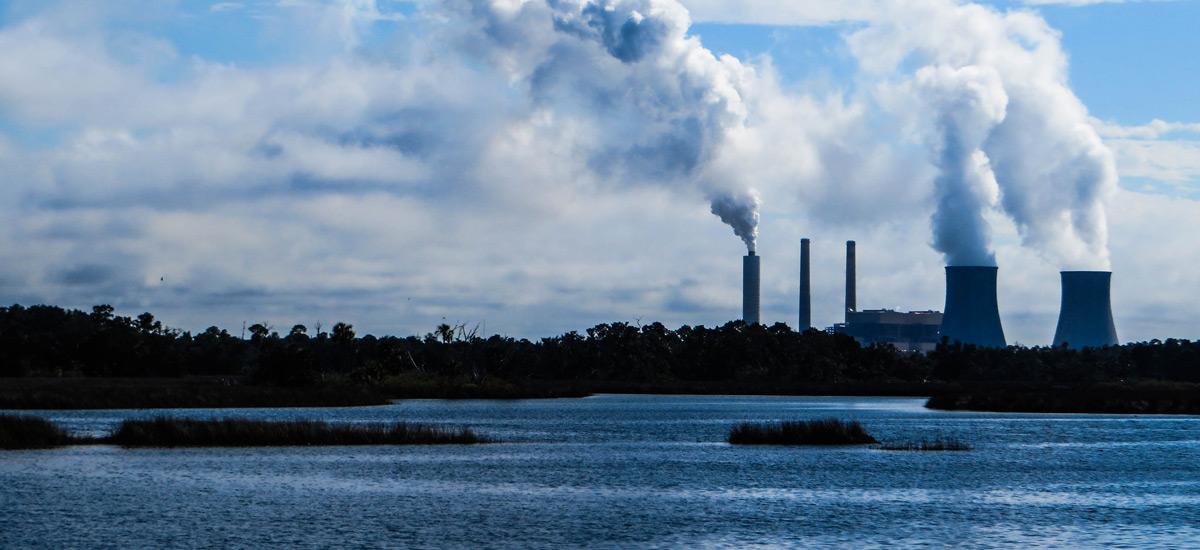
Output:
x=343 y=332
x=445 y=333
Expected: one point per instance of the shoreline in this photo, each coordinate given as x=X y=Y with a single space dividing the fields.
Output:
x=227 y=393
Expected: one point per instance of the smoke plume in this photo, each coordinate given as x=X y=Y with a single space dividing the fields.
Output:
x=965 y=104
x=1054 y=174
x=741 y=213
x=659 y=107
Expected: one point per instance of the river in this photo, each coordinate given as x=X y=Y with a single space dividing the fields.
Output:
x=622 y=471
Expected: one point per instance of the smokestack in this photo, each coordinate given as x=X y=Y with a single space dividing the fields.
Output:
x=750 y=268
x=972 y=313
x=851 y=285
x=1085 y=319
x=805 y=289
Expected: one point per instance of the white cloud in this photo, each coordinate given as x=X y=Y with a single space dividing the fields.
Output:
x=774 y=12
x=1176 y=162
x=226 y=6
x=396 y=190
x=1160 y=151
x=1154 y=129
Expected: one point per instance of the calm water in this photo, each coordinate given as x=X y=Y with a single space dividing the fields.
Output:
x=620 y=471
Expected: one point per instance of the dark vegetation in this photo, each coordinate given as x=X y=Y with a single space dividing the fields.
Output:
x=928 y=445
x=178 y=432
x=31 y=432
x=51 y=357
x=829 y=431
x=1141 y=398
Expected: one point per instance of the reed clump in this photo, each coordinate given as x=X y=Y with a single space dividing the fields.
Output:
x=178 y=432
x=31 y=432
x=829 y=431
x=927 y=445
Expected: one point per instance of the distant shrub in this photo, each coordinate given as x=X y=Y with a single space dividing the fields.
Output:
x=830 y=431
x=31 y=432
x=928 y=445
x=177 y=432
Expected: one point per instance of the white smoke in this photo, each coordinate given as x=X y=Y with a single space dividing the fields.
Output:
x=964 y=104
x=659 y=106
x=1054 y=174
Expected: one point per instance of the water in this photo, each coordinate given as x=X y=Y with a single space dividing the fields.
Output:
x=621 y=471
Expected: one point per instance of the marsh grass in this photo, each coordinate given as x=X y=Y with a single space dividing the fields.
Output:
x=173 y=393
x=829 y=431
x=178 y=432
x=31 y=432
x=927 y=445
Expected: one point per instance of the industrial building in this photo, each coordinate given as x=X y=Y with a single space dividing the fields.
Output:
x=972 y=310
x=972 y=314
x=913 y=331
x=1085 y=319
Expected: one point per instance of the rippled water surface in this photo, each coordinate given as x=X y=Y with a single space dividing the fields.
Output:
x=619 y=471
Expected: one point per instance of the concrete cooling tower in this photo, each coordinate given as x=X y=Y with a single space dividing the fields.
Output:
x=1085 y=319
x=750 y=288
x=972 y=314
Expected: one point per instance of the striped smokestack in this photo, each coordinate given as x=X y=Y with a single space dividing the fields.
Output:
x=805 y=289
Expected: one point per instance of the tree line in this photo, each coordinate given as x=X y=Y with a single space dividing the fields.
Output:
x=52 y=341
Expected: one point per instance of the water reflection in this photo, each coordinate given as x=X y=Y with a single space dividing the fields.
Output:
x=621 y=471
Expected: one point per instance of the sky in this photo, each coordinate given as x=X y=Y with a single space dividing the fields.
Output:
x=536 y=167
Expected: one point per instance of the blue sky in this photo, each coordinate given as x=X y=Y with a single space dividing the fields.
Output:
x=399 y=163
x=1130 y=62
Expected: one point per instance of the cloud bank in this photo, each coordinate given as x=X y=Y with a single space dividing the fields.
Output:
x=536 y=165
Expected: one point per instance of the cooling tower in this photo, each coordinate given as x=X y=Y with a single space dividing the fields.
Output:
x=972 y=315
x=750 y=268
x=1085 y=320
x=805 y=289
x=851 y=281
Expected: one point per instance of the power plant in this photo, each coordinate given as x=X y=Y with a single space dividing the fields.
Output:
x=851 y=280
x=750 y=288
x=913 y=331
x=805 y=288
x=972 y=310
x=972 y=313
x=1085 y=318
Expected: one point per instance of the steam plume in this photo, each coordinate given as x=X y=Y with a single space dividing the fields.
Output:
x=966 y=105
x=658 y=105
x=741 y=213
x=1054 y=174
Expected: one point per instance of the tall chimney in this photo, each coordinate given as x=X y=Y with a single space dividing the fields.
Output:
x=972 y=312
x=805 y=289
x=1085 y=319
x=851 y=285
x=750 y=269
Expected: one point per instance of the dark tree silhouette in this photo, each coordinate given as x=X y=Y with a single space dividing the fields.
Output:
x=49 y=341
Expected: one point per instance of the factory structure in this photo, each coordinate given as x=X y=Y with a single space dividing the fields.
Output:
x=914 y=331
x=972 y=312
